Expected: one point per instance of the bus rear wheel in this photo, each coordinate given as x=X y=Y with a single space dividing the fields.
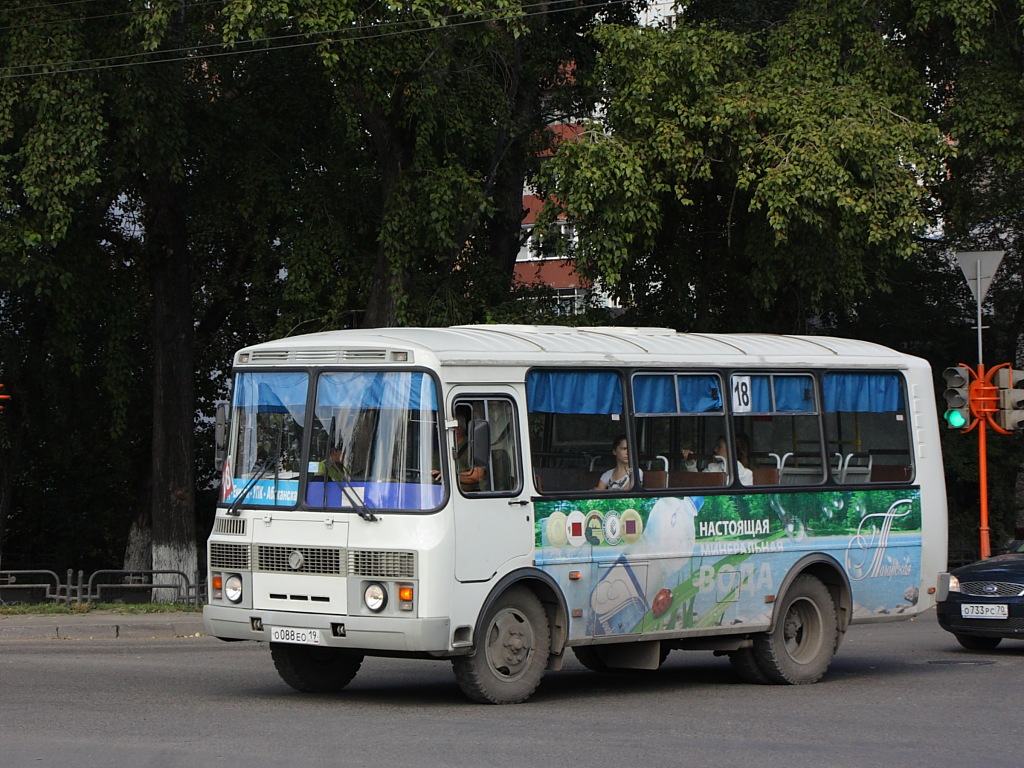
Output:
x=800 y=647
x=511 y=651
x=314 y=669
x=744 y=664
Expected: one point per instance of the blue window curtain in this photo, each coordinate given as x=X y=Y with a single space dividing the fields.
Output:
x=657 y=394
x=863 y=393
x=654 y=394
x=699 y=394
x=380 y=389
x=760 y=394
x=793 y=394
x=271 y=392
x=596 y=392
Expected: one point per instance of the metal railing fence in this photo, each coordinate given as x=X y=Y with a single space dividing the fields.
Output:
x=166 y=586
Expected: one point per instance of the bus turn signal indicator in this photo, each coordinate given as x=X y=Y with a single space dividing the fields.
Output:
x=3 y=397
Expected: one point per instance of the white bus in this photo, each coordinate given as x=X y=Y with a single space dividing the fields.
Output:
x=432 y=493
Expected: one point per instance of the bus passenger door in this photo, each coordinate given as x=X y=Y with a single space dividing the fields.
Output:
x=491 y=524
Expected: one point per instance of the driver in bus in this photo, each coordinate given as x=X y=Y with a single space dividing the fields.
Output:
x=334 y=467
x=470 y=478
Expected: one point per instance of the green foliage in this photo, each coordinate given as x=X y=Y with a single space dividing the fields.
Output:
x=762 y=165
x=752 y=174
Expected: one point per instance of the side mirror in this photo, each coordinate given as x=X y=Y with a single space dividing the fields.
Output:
x=479 y=443
x=220 y=436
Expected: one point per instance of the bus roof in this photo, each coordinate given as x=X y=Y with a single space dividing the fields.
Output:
x=547 y=344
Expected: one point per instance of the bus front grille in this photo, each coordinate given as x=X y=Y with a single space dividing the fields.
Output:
x=381 y=564
x=233 y=557
x=234 y=526
x=320 y=560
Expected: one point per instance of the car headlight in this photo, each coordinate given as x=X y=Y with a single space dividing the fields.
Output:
x=233 y=588
x=954 y=583
x=375 y=597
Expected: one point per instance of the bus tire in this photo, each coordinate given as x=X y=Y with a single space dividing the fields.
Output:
x=511 y=651
x=800 y=647
x=588 y=656
x=314 y=669
x=977 y=643
x=744 y=664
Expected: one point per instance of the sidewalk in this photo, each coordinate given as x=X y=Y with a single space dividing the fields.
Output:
x=101 y=625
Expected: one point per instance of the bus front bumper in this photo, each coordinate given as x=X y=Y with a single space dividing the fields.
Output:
x=364 y=633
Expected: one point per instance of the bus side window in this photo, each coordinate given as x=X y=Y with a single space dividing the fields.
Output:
x=867 y=426
x=680 y=417
x=777 y=414
x=494 y=421
x=575 y=418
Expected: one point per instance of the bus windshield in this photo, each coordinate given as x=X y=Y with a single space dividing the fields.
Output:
x=373 y=441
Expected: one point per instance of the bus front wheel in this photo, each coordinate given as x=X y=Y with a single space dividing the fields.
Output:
x=976 y=643
x=313 y=669
x=511 y=651
x=800 y=647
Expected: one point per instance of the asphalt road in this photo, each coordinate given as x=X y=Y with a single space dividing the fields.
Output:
x=897 y=695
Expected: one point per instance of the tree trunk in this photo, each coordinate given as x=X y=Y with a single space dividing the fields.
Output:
x=392 y=147
x=15 y=434
x=380 y=306
x=173 y=488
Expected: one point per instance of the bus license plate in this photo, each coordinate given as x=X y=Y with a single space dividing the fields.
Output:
x=295 y=635
x=983 y=611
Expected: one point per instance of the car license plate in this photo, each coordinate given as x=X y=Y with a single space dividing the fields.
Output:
x=984 y=611
x=295 y=635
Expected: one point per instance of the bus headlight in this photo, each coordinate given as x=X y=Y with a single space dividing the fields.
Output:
x=233 y=588
x=375 y=597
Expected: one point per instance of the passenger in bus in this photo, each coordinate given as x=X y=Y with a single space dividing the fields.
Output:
x=620 y=477
x=720 y=458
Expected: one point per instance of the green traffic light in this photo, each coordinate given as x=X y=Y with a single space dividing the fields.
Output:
x=955 y=418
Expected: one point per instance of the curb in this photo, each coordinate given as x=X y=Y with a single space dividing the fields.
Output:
x=112 y=627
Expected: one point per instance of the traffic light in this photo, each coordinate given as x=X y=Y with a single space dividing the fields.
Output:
x=957 y=395
x=1010 y=415
x=3 y=397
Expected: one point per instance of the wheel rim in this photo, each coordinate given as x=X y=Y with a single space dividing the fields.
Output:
x=802 y=631
x=509 y=644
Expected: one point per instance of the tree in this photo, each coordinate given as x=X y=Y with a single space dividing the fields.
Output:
x=745 y=179
x=973 y=55
x=452 y=100
x=88 y=151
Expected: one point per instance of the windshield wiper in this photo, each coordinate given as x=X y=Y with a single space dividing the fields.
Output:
x=273 y=460
x=234 y=508
x=353 y=498
x=342 y=477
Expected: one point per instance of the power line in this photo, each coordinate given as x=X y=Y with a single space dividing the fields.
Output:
x=322 y=37
x=47 y=6
x=68 y=19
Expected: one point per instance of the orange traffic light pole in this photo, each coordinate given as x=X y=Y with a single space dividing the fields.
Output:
x=984 y=403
